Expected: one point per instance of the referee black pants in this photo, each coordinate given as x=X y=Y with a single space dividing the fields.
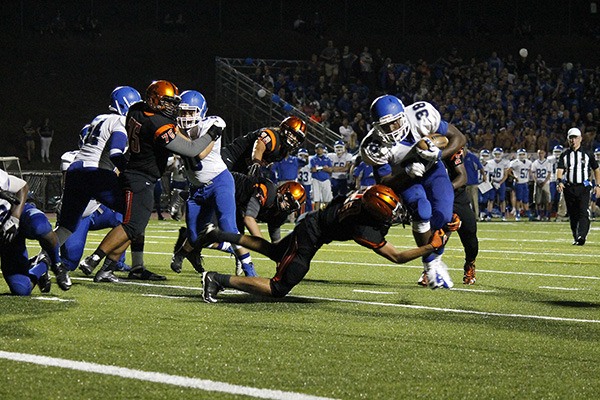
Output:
x=577 y=200
x=468 y=228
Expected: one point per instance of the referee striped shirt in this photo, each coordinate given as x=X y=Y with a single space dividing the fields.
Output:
x=577 y=165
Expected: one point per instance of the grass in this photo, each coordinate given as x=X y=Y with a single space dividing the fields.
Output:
x=356 y=327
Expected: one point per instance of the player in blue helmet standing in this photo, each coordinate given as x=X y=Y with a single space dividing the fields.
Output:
x=102 y=151
x=342 y=161
x=305 y=178
x=212 y=188
x=417 y=175
x=497 y=172
x=321 y=168
x=20 y=220
x=520 y=169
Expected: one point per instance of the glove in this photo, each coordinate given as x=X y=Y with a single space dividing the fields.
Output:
x=438 y=239
x=455 y=224
x=431 y=154
x=10 y=197
x=9 y=229
x=375 y=153
x=215 y=132
x=255 y=170
x=415 y=170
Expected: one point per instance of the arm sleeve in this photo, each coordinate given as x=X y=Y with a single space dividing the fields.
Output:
x=252 y=208
x=188 y=148
x=117 y=144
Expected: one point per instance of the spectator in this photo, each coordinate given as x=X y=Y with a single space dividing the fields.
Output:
x=346 y=131
x=330 y=56
x=347 y=64
x=46 y=133
x=28 y=136
x=366 y=66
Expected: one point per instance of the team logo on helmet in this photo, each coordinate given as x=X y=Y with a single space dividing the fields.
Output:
x=163 y=97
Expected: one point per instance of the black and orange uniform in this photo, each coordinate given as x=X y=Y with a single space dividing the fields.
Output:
x=345 y=218
x=462 y=207
x=152 y=138
x=238 y=154
x=257 y=198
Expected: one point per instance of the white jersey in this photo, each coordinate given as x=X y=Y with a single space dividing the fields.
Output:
x=305 y=176
x=541 y=170
x=553 y=160
x=11 y=184
x=201 y=172
x=94 y=152
x=521 y=170
x=496 y=170
x=340 y=161
x=423 y=119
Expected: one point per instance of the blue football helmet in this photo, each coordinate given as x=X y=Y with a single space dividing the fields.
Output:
x=522 y=154
x=192 y=109
x=557 y=150
x=498 y=153
x=302 y=152
x=389 y=119
x=339 y=147
x=597 y=153
x=122 y=97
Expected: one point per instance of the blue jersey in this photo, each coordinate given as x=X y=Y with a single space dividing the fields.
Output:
x=286 y=169
x=365 y=171
x=473 y=166
x=317 y=161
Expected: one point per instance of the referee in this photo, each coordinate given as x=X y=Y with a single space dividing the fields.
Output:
x=573 y=180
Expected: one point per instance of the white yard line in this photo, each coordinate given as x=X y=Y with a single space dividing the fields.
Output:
x=561 y=288
x=373 y=291
x=158 y=377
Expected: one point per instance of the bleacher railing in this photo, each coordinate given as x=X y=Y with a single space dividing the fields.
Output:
x=247 y=105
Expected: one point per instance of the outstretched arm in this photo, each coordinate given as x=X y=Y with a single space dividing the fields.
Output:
x=438 y=239
x=456 y=141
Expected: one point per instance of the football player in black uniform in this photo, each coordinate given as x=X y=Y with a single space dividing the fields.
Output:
x=364 y=216
x=254 y=151
x=153 y=135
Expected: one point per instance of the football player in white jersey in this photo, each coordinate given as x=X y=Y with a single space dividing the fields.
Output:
x=100 y=157
x=558 y=201
x=212 y=188
x=305 y=178
x=342 y=161
x=423 y=181
x=497 y=173
x=542 y=171
x=520 y=168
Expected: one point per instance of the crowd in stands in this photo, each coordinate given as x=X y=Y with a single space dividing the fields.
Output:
x=498 y=101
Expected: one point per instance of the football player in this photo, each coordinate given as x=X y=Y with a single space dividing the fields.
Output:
x=497 y=172
x=520 y=169
x=253 y=152
x=542 y=171
x=153 y=135
x=342 y=161
x=20 y=220
x=364 y=216
x=305 y=178
x=320 y=169
x=418 y=175
x=212 y=188
x=558 y=201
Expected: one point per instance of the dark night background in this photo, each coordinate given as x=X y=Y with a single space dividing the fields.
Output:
x=68 y=76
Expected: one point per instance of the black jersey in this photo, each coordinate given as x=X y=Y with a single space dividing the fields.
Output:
x=345 y=219
x=148 y=134
x=451 y=164
x=238 y=155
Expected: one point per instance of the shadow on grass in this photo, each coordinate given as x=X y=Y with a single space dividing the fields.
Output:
x=343 y=282
x=572 y=304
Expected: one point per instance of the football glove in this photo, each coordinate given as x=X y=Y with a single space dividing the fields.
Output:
x=9 y=230
x=215 y=132
x=431 y=154
x=455 y=224
x=11 y=197
x=415 y=170
x=375 y=152
x=438 y=239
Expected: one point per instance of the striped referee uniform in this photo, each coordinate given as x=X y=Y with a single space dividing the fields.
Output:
x=575 y=182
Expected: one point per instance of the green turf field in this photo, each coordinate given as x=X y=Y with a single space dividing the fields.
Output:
x=358 y=327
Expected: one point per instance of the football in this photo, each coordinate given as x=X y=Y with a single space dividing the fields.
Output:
x=438 y=140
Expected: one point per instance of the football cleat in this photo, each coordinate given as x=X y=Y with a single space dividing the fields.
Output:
x=88 y=265
x=44 y=282
x=423 y=280
x=121 y=266
x=469 y=276
x=437 y=274
x=248 y=269
x=177 y=262
x=140 y=273
x=210 y=287
x=106 y=275
x=62 y=276
x=206 y=236
x=195 y=258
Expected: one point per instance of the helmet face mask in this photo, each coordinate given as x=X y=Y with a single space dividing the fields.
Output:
x=339 y=147
x=557 y=150
x=484 y=155
x=294 y=132
x=290 y=196
x=498 y=153
x=522 y=154
x=389 y=119
x=122 y=97
x=163 y=97
x=191 y=109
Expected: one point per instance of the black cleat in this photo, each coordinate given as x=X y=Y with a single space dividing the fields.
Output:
x=44 y=282
x=63 y=280
x=176 y=263
x=88 y=265
x=106 y=275
x=207 y=236
x=210 y=287
x=140 y=273
x=195 y=258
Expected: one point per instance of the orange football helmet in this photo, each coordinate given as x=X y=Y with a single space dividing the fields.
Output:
x=382 y=203
x=293 y=193
x=163 y=97
x=294 y=130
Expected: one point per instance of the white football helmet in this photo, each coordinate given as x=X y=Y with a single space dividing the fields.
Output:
x=597 y=153
x=522 y=154
x=498 y=153
x=484 y=155
x=339 y=147
x=557 y=150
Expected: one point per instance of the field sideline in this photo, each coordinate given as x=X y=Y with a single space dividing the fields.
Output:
x=356 y=327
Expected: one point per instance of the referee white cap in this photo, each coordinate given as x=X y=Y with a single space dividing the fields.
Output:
x=573 y=132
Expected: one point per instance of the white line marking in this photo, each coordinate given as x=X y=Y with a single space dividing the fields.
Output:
x=163 y=296
x=561 y=288
x=51 y=299
x=373 y=291
x=454 y=310
x=157 y=377
x=472 y=290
